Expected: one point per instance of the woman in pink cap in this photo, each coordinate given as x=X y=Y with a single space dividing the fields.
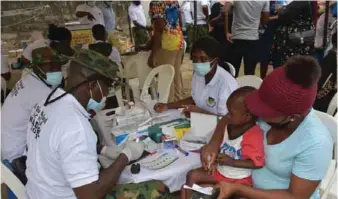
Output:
x=298 y=147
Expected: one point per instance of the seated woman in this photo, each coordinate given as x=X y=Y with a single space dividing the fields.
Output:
x=298 y=147
x=211 y=84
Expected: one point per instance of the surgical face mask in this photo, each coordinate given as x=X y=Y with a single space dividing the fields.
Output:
x=94 y=105
x=53 y=78
x=91 y=3
x=201 y=69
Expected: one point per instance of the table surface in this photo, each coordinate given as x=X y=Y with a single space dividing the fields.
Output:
x=173 y=175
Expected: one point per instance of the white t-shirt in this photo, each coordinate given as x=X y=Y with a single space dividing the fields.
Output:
x=213 y=96
x=186 y=9
x=27 y=53
x=136 y=13
x=61 y=149
x=201 y=18
x=15 y=114
x=114 y=55
x=95 y=11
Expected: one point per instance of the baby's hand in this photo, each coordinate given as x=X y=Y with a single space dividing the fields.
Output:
x=212 y=169
x=223 y=159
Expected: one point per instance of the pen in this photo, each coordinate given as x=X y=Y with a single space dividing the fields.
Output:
x=181 y=150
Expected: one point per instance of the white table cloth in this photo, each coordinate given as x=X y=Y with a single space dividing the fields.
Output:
x=174 y=175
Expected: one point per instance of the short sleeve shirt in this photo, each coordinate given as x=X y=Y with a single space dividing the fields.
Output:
x=249 y=146
x=15 y=114
x=172 y=37
x=212 y=97
x=306 y=153
x=95 y=11
x=136 y=13
x=246 y=18
x=61 y=149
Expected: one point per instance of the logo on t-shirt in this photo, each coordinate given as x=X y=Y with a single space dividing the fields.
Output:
x=37 y=119
x=19 y=86
x=211 y=102
x=231 y=151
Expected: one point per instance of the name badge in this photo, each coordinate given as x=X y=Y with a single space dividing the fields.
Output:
x=211 y=102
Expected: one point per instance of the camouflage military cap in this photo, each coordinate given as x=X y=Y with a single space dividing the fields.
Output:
x=47 y=55
x=96 y=63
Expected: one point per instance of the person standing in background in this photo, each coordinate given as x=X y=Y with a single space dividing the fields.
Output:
x=187 y=19
x=294 y=18
x=202 y=28
x=216 y=22
x=102 y=46
x=167 y=41
x=108 y=15
x=319 y=48
x=139 y=23
x=88 y=13
x=247 y=16
x=266 y=35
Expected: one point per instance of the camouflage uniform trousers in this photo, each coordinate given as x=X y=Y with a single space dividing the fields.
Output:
x=145 y=190
x=141 y=36
x=201 y=31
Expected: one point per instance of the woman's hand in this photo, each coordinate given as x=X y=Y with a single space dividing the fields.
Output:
x=227 y=189
x=160 y=107
x=192 y=108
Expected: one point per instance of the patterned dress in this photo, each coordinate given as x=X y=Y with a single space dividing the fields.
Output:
x=284 y=48
x=172 y=37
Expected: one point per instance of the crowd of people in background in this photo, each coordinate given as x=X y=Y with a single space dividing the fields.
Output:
x=64 y=89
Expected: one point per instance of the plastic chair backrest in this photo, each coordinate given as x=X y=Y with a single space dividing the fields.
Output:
x=232 y=69
x=332 y=106
x=331 y=125
x=12 y=181
x=249 y=80
x=142 y=69
x=165 y=74
x=4 y=86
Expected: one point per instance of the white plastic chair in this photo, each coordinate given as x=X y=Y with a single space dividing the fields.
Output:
x=232 y=69
x=12 y=182
x=165 y=74
x=329 y=178
x=332 y=106
x=140 y=66
x=4 y=86
x=249 y=80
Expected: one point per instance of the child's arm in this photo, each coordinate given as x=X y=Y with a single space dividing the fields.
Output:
x=224 y=159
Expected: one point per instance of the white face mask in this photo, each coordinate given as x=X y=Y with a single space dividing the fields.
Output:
x=91 y=3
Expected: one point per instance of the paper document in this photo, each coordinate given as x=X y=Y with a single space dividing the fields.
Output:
x=204 y=190
x=190 y=146
x=202 y=124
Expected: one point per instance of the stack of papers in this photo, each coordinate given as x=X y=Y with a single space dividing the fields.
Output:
x=203 y=190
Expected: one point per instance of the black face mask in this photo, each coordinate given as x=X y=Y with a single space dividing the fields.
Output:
x=137 y=2
x=281 y=125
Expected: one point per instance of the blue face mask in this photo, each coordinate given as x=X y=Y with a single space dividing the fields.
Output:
x=54 y=78
x=201 y=69
x=94 y=105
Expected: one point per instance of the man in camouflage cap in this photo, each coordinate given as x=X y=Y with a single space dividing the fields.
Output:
x=62 y=153
x=19 y=103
